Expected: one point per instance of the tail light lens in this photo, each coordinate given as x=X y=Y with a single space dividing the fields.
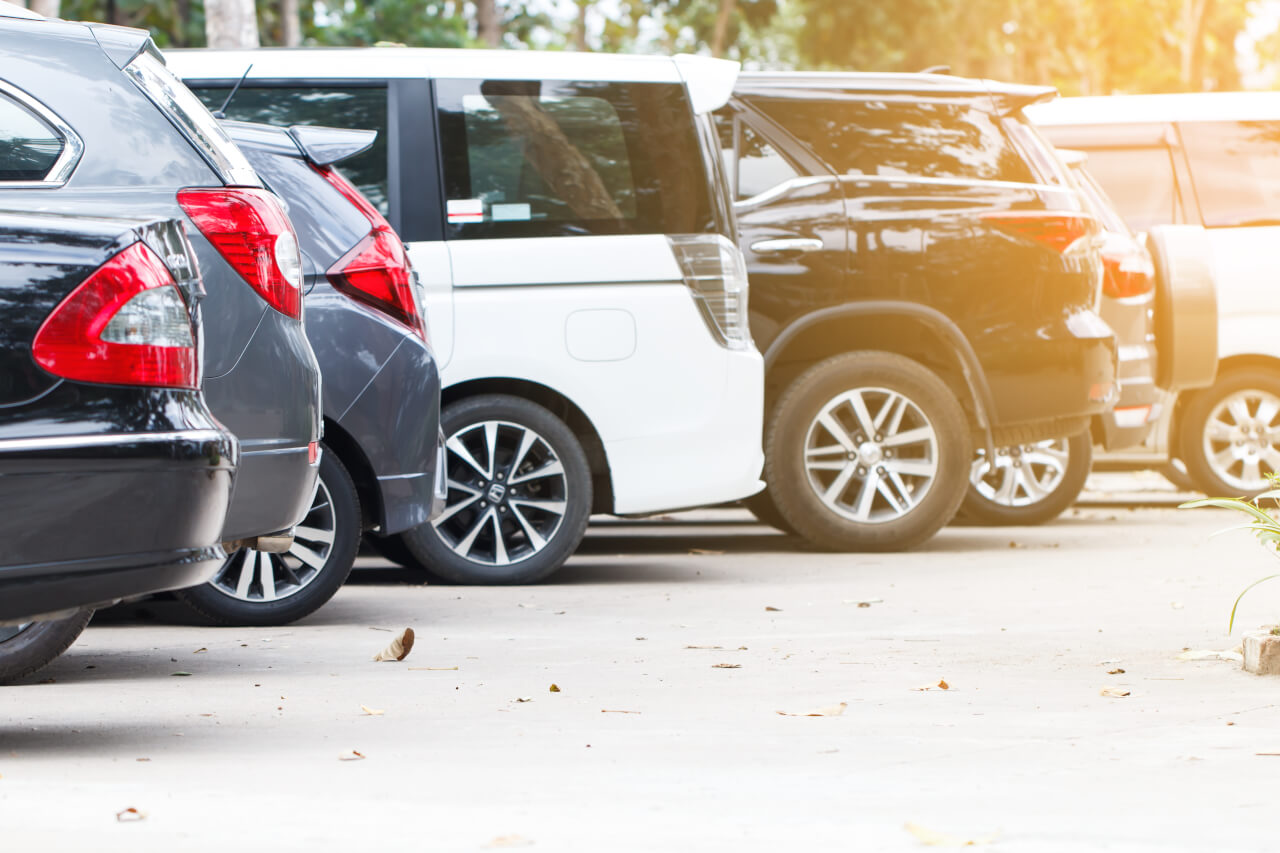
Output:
x=377 y=271
x=126 y=324
x=1060 y=231
x=717 y=274
x=251 y=231
x=1127 y=273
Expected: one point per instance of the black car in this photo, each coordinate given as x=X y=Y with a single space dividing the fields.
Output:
x=381 y=466
x=114 y=476
x=924 y=281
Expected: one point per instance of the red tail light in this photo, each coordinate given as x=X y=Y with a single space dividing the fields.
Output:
x=249 y=228
x=1057 y=230
x=126 y=324
x=1127 y=273
x=377 y=271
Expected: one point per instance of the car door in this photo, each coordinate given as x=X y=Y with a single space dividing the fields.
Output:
x=792 y=224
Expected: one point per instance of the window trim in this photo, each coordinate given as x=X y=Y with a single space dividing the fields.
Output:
x=72 y=148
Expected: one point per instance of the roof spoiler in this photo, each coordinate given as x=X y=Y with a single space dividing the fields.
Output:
x=709 y=81
x=123 y=44
x=11 y=10
x=1011 y=97
x=324 y=146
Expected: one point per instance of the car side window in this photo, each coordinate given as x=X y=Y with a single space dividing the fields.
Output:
x=29 y=146
x=549 y=158
x=1235 y=167
x=1140 y=181
x=761 y=167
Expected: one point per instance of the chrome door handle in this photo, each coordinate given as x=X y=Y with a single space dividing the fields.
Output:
x=787 y=244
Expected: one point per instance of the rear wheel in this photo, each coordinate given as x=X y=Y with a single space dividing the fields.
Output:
x=257 y=588
x=1230 y=434
x=27 y=648
x=1030 y=483
x=867 y=451
x=519 y=495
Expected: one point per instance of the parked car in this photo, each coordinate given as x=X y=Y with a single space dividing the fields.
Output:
x=142 y=144
x=114 y=475
x=1053 y=472
x=924 y=282
x=584 y=296
x=1202 y=160
x=382 y=464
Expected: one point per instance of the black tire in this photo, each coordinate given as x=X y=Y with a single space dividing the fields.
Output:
x=766 y=512
x=469 y=511
x=1175 y=475
x=983 y=509
x=795 y=421
x=1195 y=413
x=37 y=644
x=306 y=586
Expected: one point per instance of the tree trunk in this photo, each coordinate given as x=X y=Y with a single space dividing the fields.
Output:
x=181 y=22
x=1195 y=12
x=488 y=25
x=48 y=8
x=580 y=26
x=290 y=23
x=231 y=23
x=720 y=35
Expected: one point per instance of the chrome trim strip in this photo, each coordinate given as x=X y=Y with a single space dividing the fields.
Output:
x=954 y=182
x=64 y=442
x=72 y=148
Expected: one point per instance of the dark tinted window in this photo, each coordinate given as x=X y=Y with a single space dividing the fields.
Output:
x=887 y=138
x=1139 y=181
x=28 y=147
x=355 y=107
x=1236 y=170
x=526 y=159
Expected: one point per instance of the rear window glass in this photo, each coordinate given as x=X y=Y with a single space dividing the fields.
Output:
x=528 y=159
x=1236 y=170
x=1140 y=182
x=354 y=107
x=891 y=139
x=29 y=147
x=1098 y=203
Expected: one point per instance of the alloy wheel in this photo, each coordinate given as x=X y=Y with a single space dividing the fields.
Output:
x=1240 y=440
x=871 y=468
x=1022 y=474
x=508 y=493
x=260 y=577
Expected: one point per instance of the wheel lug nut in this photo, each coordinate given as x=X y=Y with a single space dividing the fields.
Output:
x=879 y=437
x=862 y=472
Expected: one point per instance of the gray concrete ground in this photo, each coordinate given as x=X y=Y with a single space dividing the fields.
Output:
x=649 y=745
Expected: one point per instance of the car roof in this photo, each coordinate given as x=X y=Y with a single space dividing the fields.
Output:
x=820 y=83
x=710 y=81
x=1145 y=109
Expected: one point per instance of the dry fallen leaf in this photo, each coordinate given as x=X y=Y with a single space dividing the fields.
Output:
x=930 y=838
x=773 y=609
x=1114 y=692
x=941 y=685
x=199 y=650
x=372 y=712
x=726 y=666
x=1116 y=671
x=829 y=711
x=399 y=648
x=524 y=699
x=863 y=602
x=130 y=814
x=555 y=688
x=351 y=755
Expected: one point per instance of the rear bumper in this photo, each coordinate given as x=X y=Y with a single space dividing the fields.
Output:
x=273 y=491
x=93 y=518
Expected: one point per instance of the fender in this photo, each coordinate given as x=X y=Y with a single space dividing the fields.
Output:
x=974 y=376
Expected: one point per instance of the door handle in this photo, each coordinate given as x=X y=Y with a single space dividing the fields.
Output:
x=787 y=244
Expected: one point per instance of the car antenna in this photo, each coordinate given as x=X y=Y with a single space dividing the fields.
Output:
x=221 y=112
x=937 y=69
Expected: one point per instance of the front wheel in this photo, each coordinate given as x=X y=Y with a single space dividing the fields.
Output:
x=257 y=588
x=1229 y=434
x=1029 y=483
x=867 y=451
x=29 y=647
x=519 y=495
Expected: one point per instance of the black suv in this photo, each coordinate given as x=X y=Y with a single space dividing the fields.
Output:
x=924 y=282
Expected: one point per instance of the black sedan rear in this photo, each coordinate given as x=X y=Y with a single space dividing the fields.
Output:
x=114 y=476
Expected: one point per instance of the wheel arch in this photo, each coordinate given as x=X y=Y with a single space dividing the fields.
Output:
x=562 y=407
x=340 y=442
x=906 y=328
x=1228 y=365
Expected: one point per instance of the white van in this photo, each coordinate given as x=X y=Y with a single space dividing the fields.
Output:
x=583 y=289
x=1210 y=159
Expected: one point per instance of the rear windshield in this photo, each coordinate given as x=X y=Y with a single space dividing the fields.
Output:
x=1099 y=204
x=358 y=107
x=533 y=159
x=901 y=139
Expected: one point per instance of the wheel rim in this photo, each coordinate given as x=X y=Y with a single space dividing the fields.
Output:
x=1240 y=438
x=871 y=468
x=8 y=632
x=1023 y=474
x=508 y=493
x=260 y=578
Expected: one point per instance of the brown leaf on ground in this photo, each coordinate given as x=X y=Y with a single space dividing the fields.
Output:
x=773 y=609
x=554 y=688
x=943 y=684
x=1114 y=692
x=931 y=838
x=351 y=755
x=523 y=699
x=1116 y=671
x=130 y=814
x=372 y=712
x=399 y=648
x=726 y=666
x=199 y=650
x=829 y=711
